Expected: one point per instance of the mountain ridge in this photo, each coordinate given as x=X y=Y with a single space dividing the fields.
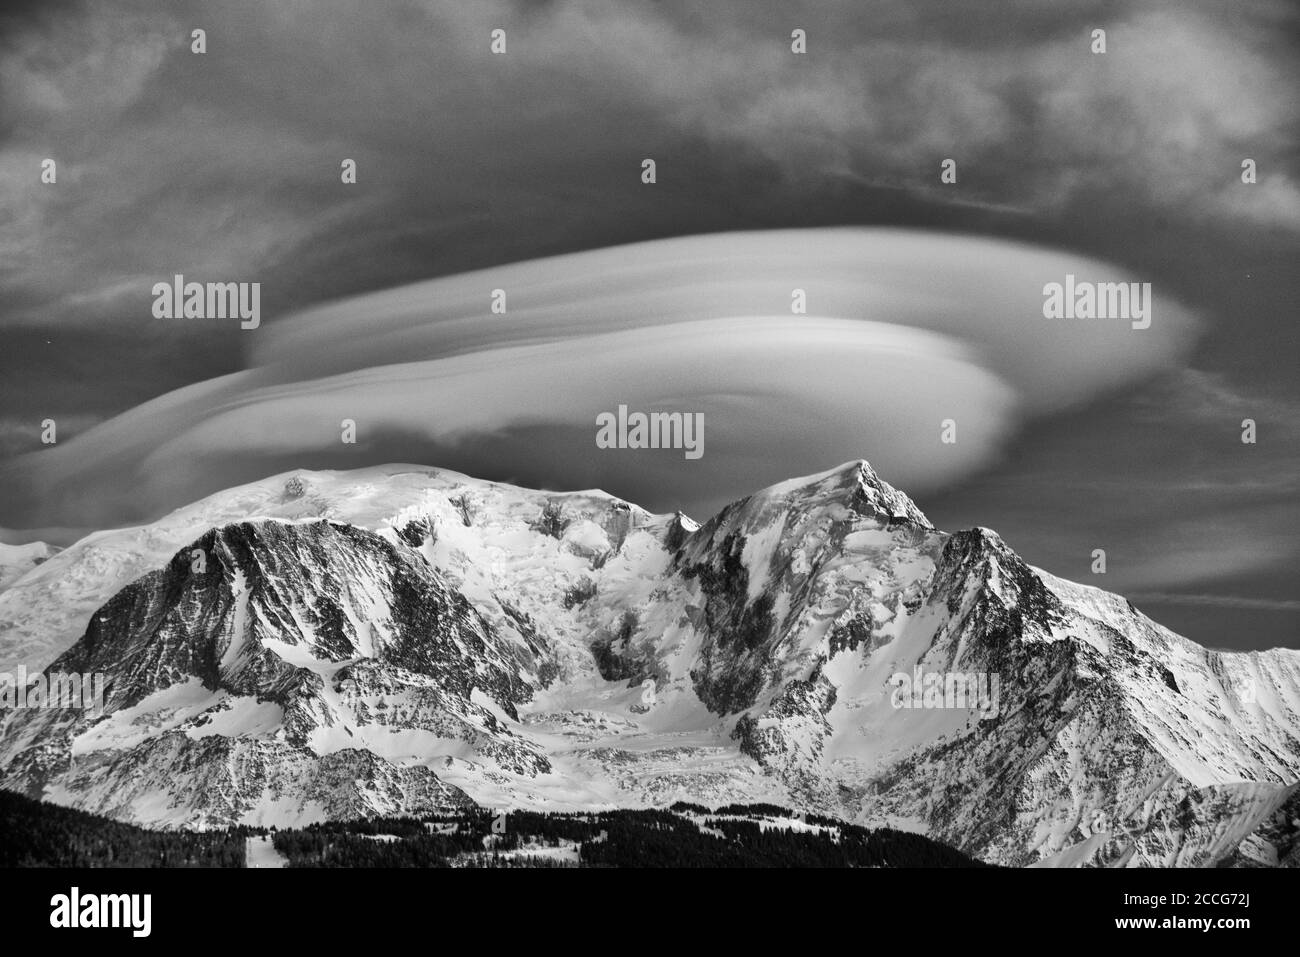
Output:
x=657 y=659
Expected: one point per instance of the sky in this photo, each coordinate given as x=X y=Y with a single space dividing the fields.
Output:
x=774 y=171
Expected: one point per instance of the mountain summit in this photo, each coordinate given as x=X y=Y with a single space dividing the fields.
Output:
x=405 y=640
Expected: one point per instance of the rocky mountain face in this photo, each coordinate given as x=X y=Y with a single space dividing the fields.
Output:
x=397 y=639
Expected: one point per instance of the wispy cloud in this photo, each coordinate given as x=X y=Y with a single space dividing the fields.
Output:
x=1219 y=601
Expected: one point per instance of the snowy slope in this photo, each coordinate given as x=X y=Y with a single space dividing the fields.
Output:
x=17 y=560
x=405 y=638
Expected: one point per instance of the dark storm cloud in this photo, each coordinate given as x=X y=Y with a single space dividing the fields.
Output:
x=228 y=163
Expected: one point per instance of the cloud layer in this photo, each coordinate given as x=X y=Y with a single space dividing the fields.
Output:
x=225 y=167
x=903 y=331
x=228 y=162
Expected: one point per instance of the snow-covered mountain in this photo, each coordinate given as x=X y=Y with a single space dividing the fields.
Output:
x=397 y=639
x=17 y=560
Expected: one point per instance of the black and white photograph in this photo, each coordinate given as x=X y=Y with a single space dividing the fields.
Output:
x=563 y=435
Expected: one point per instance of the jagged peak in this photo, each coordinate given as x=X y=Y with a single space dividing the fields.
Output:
x=981 y=545
x=858 y=484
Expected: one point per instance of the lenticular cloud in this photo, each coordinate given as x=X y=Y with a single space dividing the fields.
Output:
x=902 y=331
